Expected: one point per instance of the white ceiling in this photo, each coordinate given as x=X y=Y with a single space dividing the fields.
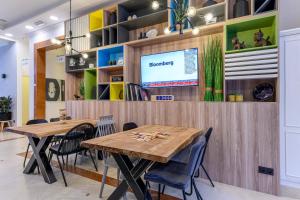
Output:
x=20 y=13
x=16 y=11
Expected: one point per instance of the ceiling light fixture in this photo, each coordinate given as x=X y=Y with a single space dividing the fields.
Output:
x=54 y=18
x=28 y=27
x=9 y=35
x=67 y=42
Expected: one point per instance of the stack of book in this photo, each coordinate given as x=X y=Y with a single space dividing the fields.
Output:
x=135 y=92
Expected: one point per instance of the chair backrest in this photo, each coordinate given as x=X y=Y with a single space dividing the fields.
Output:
x=36 y=121
x=207 y=137
x=106 y=126
x=71 y=141
x=68 y=118
x=54 y=119
x=129 y=126
x=196 y=155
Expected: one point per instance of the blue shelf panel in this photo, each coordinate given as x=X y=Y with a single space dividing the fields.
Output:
x=110 y=54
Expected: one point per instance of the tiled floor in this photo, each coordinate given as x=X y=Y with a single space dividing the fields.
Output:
x=14 y=185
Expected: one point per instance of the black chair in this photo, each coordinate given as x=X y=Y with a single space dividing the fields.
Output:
x=129 y=126
x=207 y=137
x=70 y=144
x=32 y=122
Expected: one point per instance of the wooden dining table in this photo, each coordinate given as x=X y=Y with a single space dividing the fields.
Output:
x=150 y=143
x=40 y=136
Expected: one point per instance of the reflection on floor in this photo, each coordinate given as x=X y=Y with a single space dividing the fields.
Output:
x=84 y=181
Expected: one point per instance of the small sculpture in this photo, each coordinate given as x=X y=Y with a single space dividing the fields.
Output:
x=237 y=45
x=260 y=41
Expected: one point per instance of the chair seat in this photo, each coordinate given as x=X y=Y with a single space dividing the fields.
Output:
x=172 y=174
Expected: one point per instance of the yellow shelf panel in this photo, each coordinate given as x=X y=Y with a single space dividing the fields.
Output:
x=117 y=91
x=96 y=20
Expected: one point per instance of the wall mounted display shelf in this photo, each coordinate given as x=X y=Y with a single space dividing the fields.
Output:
x=114 y=37
x=75 y=63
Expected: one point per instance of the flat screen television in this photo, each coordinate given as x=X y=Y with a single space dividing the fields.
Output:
x=170 y=69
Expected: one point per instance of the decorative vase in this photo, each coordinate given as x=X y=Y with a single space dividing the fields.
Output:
x=240 y=8
x=209 y=3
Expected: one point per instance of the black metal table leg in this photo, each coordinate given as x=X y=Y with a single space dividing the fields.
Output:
x=40 y=158
x=132 y=176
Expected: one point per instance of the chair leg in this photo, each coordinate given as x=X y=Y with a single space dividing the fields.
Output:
x=199 y=197
x=93 y=160
x=67 y=161
x=24 y=163
x=184 y=196
x=163 y=190
x=63 y=160
x=62 y=171
x=103 y=181
x=75 y=160
x=158 y=192
x=207 y=175
x=191 y=192
x=118 y=175
x=50 y=157
x=198 y=173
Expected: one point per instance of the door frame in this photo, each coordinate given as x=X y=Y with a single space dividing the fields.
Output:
x=40 y=49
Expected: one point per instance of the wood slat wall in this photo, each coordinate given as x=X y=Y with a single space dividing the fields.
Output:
x=245 y=135
x=180 y=93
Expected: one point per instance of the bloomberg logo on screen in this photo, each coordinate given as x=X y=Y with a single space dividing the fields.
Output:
x=170 y=63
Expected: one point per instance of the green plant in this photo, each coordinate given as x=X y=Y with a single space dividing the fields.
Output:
x=213 y=65
x=5 y=104
x=81 y=88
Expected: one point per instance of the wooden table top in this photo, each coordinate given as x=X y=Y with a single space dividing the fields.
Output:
x=158 y=150
x=48 y=129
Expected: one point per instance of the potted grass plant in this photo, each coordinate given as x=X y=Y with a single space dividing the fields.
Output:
x=5 y=108
x=213 y=65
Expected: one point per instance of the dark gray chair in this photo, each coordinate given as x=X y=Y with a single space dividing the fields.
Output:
x=70 y=144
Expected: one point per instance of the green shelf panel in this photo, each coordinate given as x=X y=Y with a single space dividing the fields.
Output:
x=90 y=84
x=245 y=30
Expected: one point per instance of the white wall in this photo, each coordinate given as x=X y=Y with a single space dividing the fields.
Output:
x=54 y=70
x=39 y=36
x=289 y=15
x=8 y=66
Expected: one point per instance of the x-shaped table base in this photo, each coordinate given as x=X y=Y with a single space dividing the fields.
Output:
x=40 y=158
x=132 y=176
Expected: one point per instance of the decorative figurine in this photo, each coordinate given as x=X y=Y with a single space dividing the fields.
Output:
x=237 y=45
x=260 y=41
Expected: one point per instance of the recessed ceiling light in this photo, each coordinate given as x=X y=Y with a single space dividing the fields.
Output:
x=9 y=34
x=29 y=27
x=54 y=18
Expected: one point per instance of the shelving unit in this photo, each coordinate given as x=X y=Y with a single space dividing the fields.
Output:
x=90 y=84
x=246 y=28
x=112 y=35
x=77 y=67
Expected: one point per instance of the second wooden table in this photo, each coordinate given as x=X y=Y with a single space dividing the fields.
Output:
x=125 y=144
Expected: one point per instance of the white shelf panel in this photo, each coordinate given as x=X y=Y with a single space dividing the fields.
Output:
x=255 y=67
x=252 y=72
x=265 y=76
x=252 y=53
x=251 y=58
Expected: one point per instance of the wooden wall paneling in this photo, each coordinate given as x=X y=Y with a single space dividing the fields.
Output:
x=245 y=135
x=182 y=94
